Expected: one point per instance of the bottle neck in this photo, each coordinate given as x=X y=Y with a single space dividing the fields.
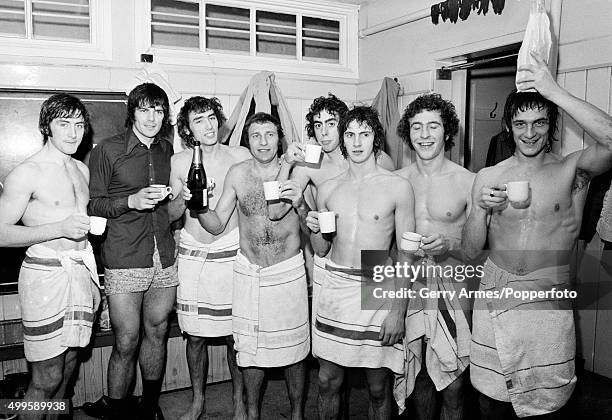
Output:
x=197 y=155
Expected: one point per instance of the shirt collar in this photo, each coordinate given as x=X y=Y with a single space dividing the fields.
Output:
x=132 y=141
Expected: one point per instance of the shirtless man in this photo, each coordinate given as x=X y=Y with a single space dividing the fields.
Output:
x=205 y=261
x=530 y=245
x=270 y=314
x=322 y=125
x=48 y=193
x=442 y=202
x=372 y=205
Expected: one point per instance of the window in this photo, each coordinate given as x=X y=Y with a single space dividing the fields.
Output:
x=304 y=35
x=44 y=19
x=55 y=28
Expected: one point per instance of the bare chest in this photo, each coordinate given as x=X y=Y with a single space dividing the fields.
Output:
x=361 y=204
x=439 y=200
x=62 y=187
x=328 y=170
x=550 y=195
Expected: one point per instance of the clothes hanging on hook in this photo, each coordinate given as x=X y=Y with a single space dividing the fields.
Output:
x=465 y=9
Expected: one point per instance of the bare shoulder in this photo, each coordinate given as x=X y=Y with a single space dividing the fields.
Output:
x=398 y=184
x=327 y=187
x=489 y=174
x=238 y=153
x=82 y=167
x=24 y=175
x=463 y=175
x=385 y=161
x=240 y=168
x=407 y=171
x=181 y=157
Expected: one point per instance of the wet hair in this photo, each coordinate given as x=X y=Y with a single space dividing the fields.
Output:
x=147 y=95
x=61 y=105
x=262 y=118
x=197 y=104
x=522 y=101
x=431 y=102
x=362 y=115
x=331 y=104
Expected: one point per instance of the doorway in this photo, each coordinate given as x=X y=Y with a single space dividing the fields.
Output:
x=489 y=81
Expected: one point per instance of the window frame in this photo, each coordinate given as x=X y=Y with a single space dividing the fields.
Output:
x=99 y=47
x=346 y=14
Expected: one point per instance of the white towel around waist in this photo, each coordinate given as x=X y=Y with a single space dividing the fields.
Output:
x=523 y=351
x=270 y=312
x=58 y=294
x=345 y=334
x=204 y=294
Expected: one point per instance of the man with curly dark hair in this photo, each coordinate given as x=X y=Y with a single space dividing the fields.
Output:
x=322 y=119
x=373 y=207
x=442 y=203
x=205 y=261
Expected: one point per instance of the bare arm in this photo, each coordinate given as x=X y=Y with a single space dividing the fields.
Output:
x=393 y=327
x=485 y=198
x=18 y=190
x=321 y=243
x=597 y=158
x=176 y=207
x=214 y=221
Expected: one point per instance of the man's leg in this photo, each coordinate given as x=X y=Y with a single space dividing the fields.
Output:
x=237 y=380
x=47 y=377
x=330 y=381
x=124 y=311
x=197 y=361
x=453 y=397
x=253 y=379
x=295 y=377
x=424 y=396
x=156 y=306
x=380 y=393
x=491 y=409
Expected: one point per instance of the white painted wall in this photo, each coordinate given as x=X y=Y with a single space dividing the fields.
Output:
x=117 y=74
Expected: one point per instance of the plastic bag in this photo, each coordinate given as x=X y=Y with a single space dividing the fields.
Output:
x=537 y=38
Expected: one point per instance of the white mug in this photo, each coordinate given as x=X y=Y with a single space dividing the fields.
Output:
x=517 y=191
x=162 y=189
x=97 y=225
x=410 y=241
x=313 y=153
x=271 y=190
x=327 y=221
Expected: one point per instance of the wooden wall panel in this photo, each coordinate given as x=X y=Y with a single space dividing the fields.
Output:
x=572 y=135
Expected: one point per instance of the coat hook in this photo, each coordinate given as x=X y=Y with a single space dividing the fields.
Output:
x=492 y=114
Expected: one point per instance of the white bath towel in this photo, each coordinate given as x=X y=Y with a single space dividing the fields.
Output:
x=204 y=294
x=442 y=322
x=270 y=312
x=345 y=334
x=58 y=294
x=523 y=351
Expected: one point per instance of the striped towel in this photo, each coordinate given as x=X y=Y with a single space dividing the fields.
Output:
x=58 y=294
x=442 y=323
x=345 y=334
x=523 y=351
x=270 y=313
x=204 y=294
